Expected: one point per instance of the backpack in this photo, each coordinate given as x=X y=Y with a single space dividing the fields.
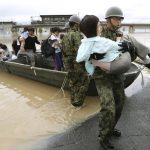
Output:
x=46 y=47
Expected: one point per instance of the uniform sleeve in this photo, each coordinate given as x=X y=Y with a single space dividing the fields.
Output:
x=141 y=49
x=76 y=40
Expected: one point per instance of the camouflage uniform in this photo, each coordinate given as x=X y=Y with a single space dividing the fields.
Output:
x=110 y=88
x=77 y=76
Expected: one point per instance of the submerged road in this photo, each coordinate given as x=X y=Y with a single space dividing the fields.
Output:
x=134 y=125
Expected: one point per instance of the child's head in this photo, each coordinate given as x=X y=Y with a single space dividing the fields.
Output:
x=89 y=25
x=31 y=29
x=55 y=29
x=25 y=29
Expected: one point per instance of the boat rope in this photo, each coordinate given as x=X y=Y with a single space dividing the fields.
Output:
x=63 y=85
x=140 y=69
x=62 y=88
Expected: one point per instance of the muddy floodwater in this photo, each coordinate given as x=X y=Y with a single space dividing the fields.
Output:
x=30 y=110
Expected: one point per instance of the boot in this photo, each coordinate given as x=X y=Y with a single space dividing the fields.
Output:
x=106 y=145
x=116 y=133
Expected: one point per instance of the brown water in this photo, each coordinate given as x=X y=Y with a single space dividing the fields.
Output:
x=31 y=110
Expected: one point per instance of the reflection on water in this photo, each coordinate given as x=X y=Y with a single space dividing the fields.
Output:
x=30 y=110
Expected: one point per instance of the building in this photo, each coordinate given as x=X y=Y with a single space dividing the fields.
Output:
x=43 y=23
x=55 y=20
x=6 y=27
x=49 y=21
x=136 y=27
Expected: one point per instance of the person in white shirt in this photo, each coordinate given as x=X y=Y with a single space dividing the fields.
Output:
x=55 y=41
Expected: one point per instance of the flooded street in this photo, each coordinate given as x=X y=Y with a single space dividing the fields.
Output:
x=30 y=111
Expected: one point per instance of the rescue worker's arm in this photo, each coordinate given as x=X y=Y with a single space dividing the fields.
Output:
x=76 y=41
x=141 y=49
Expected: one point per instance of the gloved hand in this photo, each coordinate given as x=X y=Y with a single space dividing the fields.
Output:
x=125 y=46
x=128 y=47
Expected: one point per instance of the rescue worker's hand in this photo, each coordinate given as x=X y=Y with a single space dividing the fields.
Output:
x=126 y=46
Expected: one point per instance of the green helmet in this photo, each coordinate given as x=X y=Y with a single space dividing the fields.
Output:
x=114 y=12
x=67 y=26
x=75 y=19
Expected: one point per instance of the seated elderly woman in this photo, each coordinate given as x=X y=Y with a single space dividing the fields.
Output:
x=5 y=54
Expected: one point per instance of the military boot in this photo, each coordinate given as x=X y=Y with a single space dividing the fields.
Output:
x=106 y=145
x=116 y=133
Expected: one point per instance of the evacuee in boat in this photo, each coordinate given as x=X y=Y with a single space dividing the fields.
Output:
x=28 y=47
x=25 y=33
x=31 y=40
x=20 y=41
x=5 y=53
x=22 y=37
x=16 y=45
x=58 y=63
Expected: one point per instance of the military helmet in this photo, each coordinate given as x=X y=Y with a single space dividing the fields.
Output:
x=67 y=26
x=114 y=12
x=74 y=18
